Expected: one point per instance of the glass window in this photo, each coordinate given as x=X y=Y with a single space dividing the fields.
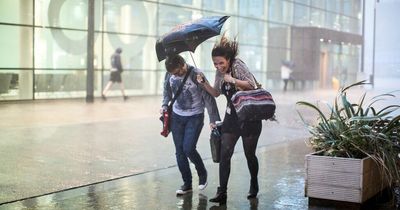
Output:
x=278 y=35
x=317 y=18
x=66 y=14
x=357 y=8
x=301 y=1
x=333 y=6
x=354 y=26
x=252 y=32
x=301 y=15
x=228 y=7
x=15 y=84
x=135 y=50
x=333 y=21
x=346 y=24
x=205 y=59
x=281 y=11
x=347 y=7
x=251 y=8
x=169 y=17
x=275 y=57
x=330 y=20
x=178 y=2
x=319 y=3
x=252 y=56
x=63 y=83
x=214 y=5
x=19 y=12
x=130 y=17
x=16 y=47
x=55 y=48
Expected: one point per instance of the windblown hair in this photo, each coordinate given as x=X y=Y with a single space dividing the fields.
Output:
x=228 y=49
x=174 y=61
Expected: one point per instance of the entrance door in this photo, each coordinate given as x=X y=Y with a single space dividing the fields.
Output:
x=323 y=70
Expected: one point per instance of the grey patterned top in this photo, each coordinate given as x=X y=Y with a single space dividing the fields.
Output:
x=193 y=98
x=239 y=71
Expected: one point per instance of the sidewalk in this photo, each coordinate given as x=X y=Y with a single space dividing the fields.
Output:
x=50 y=146
x=281 y=187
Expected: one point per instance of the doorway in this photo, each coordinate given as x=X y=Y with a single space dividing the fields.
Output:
x=323 y=70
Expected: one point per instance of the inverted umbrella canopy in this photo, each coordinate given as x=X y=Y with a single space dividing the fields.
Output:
x=187 y=36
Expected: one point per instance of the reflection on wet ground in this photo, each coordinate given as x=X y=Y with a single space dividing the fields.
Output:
x=281 y=180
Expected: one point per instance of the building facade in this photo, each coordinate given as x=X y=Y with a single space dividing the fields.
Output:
x=44 y=42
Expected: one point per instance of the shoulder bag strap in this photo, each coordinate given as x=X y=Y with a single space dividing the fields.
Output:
x=180 y=88
x=258 y=85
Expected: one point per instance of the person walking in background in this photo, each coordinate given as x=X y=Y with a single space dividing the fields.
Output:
x=187 y=118
x=115 y=74
x=232 y=75
x=286 y=72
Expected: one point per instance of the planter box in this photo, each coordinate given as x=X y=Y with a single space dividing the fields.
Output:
x=342 y=179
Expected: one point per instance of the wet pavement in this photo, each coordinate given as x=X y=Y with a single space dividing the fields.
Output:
x=281 y=187
x=67 y=154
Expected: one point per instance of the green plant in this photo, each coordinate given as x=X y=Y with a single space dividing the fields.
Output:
x=358 y=130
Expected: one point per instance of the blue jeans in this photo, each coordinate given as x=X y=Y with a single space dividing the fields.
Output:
x=185 y=132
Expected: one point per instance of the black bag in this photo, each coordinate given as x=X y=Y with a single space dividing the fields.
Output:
x=215 y=144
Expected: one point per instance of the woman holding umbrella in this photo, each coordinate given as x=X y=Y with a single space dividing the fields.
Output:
x=232 y=75
x=187 y=117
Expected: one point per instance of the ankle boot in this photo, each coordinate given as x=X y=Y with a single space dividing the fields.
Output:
x=253 y=188
x=220 y=197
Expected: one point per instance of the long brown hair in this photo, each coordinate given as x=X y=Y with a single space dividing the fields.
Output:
x=226 y=48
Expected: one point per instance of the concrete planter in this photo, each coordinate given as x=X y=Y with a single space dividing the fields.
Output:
x=342 y=179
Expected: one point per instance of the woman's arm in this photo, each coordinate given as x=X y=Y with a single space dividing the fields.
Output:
x=239 y=84
x=210 y=89
x=167 y=93
x=243 y=78
x=206 y=85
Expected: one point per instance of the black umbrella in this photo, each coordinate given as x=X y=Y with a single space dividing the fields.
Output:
x=187 y=36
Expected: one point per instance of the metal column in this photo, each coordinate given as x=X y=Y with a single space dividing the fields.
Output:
x=90 y=54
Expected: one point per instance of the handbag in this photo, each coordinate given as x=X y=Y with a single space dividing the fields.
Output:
x=215 y=144
x=252 y=105
x=166 y=115
x=165 y=119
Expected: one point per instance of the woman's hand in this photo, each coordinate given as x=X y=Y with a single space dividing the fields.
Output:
x=162 y=109
x=229 y=78
x=200 y=78
x=212 y=126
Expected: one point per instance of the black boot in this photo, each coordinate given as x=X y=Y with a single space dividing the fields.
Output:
x=220 y=197
x=253 y=188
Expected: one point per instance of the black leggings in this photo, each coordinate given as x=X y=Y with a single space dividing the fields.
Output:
x=250 y=133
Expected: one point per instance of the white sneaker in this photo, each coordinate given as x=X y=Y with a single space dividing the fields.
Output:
x=203 y=181
x=183 y=190
x=203 y=186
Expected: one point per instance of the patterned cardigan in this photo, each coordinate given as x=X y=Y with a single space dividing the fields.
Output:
x=239 y=70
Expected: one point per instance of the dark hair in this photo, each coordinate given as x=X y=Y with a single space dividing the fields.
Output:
x=118 y=50
x=226 y=48
x=174 y=61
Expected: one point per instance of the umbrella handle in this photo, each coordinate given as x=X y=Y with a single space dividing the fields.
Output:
x=191 y=55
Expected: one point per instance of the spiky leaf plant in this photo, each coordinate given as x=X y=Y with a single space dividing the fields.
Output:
x=358 y=130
